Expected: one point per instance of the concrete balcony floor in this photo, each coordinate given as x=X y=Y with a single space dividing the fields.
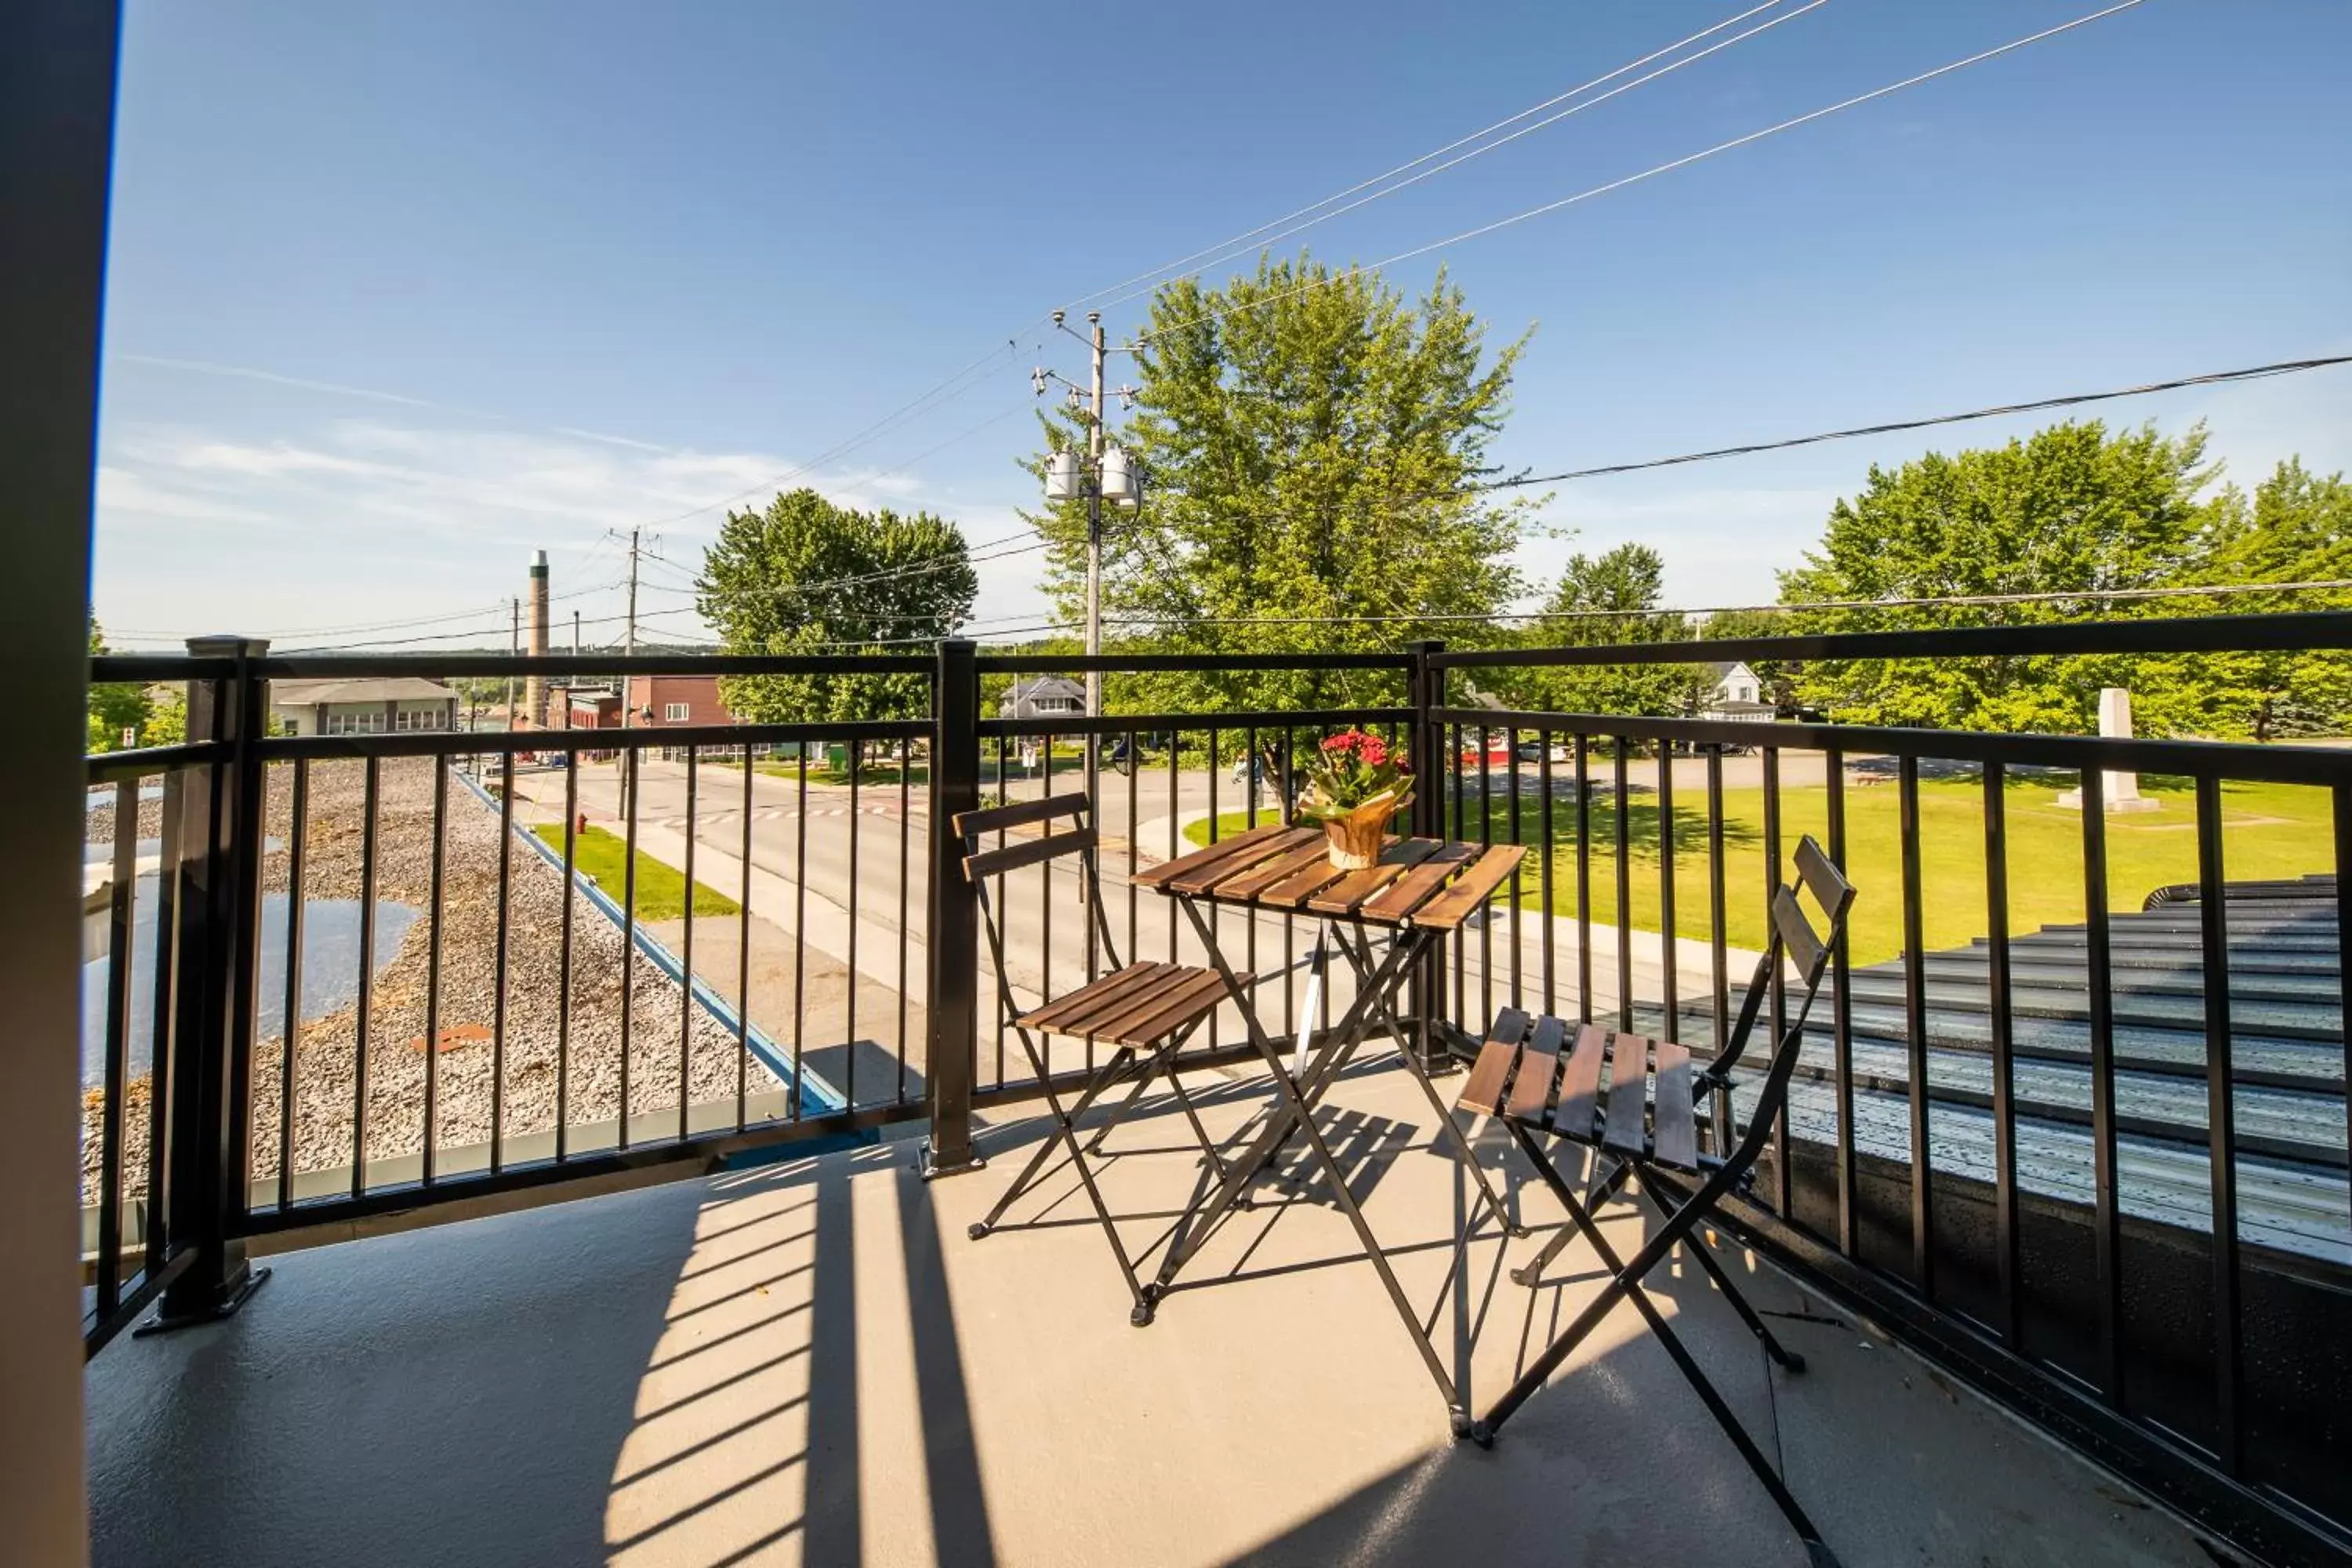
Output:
x=809 y=1361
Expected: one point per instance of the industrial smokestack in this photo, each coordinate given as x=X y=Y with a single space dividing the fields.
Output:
x=534 y=691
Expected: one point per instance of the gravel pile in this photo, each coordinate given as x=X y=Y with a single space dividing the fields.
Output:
x=324 y=1065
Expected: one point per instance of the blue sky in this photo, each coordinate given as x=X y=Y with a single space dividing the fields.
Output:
x=399 y=293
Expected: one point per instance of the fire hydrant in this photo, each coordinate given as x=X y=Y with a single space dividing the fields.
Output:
x=583 y=830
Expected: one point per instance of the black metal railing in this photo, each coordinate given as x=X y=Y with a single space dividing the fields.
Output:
x=2099 y=1171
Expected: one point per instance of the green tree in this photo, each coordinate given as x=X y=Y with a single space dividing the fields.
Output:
x=804 y=575
x=2073 y=508
x=1612 y=597
x=115 y=706
x=2296 y=528
x=1311 y=441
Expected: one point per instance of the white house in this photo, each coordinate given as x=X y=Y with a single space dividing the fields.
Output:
x=396 y=705
x=1043 y=696
x=1737 y=697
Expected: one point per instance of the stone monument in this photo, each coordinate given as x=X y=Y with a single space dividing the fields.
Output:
x=2122 y=790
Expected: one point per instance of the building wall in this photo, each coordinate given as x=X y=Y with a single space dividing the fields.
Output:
x=429 y=713
x=697 y=695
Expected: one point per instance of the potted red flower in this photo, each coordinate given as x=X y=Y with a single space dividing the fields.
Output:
x=1356 y=784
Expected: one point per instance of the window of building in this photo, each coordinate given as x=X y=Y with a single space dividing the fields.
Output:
x=418 y=719
x=672 y=713
x=364 y=722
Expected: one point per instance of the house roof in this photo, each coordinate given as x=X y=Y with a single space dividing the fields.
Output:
x=1045 y=686
x=311 y=693
x=1721 y=668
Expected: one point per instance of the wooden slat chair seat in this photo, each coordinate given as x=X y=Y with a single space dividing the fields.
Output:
x=1633 y=1100
x=1146 y=1011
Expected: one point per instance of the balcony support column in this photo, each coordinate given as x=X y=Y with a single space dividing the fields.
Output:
x=1425 y=745
x=951 y=998
x=217 y=955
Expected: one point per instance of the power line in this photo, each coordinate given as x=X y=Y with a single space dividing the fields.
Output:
x=2214 y=378
x=1469 y=234
x=1185 y=261
x=1481 y=151
x=938 y=393
x=1935 y=601
x=914 y=569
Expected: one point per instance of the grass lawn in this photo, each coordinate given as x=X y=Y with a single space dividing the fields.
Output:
x=661 y=888
x=2268 y=830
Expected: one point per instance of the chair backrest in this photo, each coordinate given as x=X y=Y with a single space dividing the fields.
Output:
x=981 y=864
x=971 y=826
x=1793 y=937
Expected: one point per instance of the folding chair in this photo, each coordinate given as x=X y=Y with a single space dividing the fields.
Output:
x=1147 y=1010
x=1645 y=1119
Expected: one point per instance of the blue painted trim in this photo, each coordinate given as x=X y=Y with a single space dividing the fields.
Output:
x=816 y=1095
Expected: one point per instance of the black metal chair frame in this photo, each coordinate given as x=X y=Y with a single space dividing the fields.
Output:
x=1159 y=1061
x=1723 y=1174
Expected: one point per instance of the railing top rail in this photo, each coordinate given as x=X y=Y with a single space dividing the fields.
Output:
x=144 y=668
x=362 y=666
x=1246 y=718
x=2288 y=632
x=469 y=742
x=2262 y=764
x=143 y=761
x=1142 y=663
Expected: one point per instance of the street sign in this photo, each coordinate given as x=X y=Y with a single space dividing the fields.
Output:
x=130 y=735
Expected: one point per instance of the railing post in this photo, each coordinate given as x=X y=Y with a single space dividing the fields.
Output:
x=952 y=991
x=218 y=956
x=1425 y=744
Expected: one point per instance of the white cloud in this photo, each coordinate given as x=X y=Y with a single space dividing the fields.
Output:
x=197 y=527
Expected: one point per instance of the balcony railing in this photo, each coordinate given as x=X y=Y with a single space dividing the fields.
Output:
x=2095 y=1158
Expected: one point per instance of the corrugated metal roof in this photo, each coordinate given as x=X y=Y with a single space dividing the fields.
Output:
x=2286 y=1057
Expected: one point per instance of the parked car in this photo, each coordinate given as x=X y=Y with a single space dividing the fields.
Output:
x=1534 y=752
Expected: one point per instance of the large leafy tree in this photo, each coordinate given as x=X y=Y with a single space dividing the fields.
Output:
x=1610 y=598
x=1313 y=442
x=2297 y=528
x=2072 y=509
x=116 y=706
x=804 y=575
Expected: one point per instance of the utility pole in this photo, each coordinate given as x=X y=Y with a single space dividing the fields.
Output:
x=514 y=647
x=1094 y=558
x=629 y=645
x=1107 y=474
x=628 y=688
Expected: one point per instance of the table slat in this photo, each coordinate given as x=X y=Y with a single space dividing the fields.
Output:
x=1401 y=898
x=1185 y=865
x=1479 y=882
x=1301 y=884
x=1342 y=897
x=1207 y=879
x=1261 y=878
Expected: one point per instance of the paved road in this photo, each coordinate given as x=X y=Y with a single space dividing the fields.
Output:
x=830 y=868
